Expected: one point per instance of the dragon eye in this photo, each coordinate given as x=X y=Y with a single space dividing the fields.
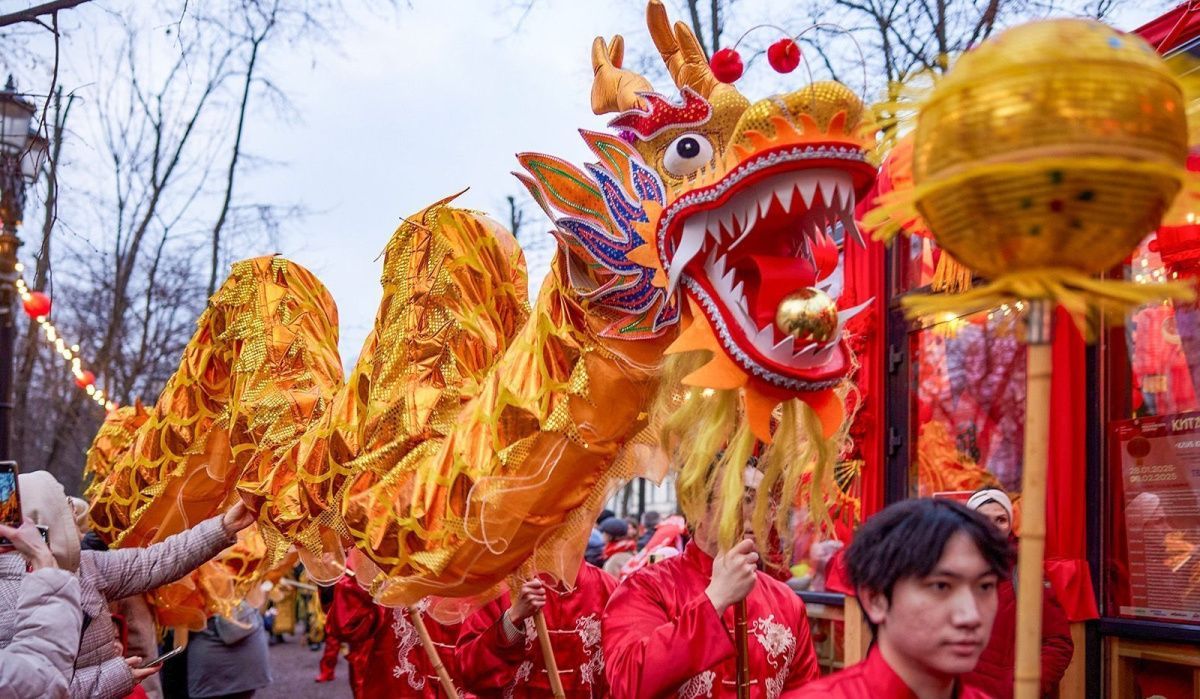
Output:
x=687 y=154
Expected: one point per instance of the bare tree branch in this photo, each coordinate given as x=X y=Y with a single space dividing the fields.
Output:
x=35 y=13
x=256 y=41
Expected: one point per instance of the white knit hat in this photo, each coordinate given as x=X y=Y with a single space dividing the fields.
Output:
x=987 y=495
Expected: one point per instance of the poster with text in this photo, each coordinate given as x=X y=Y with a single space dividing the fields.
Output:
x=1160 y=467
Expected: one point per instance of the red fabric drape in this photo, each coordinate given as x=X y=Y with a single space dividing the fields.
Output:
x=1066 y=541
x=864 y=279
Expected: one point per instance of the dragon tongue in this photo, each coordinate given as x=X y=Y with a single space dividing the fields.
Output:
x=768 y=279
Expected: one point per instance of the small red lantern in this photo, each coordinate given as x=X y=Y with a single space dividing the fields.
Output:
x=37 y=305
x=726 y=65
x=784 y=55
x=87 y=379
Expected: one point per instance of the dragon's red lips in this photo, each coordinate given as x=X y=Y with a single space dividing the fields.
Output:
x=759 y=234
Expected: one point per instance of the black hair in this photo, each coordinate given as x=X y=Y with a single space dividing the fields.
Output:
x=91 y=541
x=906 y=540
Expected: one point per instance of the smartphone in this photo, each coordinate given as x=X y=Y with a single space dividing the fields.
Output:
x=10 y=499
x=162 y=658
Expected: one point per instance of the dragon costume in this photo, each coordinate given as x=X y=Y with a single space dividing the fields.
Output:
x=477 y=437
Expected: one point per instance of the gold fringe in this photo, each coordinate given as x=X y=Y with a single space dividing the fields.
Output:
x=710 y=442
x=1083 y=296
x=951 y=276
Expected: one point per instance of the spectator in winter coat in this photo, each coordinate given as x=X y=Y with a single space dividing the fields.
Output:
x=650 y=520
x=100 y=671
x=595 y=545
x=994 y=673
x=36 y=660
x=617 y=538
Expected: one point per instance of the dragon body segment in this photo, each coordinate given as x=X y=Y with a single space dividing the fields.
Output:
x=477 y=437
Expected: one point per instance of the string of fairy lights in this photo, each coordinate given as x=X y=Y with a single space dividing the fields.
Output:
x=37 y=306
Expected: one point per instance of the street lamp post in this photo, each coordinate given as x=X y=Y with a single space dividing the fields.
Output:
x=22 y=153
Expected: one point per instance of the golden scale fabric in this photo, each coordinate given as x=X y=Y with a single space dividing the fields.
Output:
x=477 y=438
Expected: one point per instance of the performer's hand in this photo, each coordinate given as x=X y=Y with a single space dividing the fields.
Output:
x=733 y=575
x=237 y=518
x=531 y=598
x=27 y=541
x=140 y=673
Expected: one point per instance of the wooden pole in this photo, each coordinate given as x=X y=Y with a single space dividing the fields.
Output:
x=414 y=615
x=741 y=639
x=1033 y=500
x=543 y=634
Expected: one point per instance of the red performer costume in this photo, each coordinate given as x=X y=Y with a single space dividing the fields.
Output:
x=663 y=636
x=873 y=678
x=399 y=665
x=351 y=619
x=495 y=666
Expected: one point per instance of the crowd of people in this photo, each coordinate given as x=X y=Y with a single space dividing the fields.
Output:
x=651 y=613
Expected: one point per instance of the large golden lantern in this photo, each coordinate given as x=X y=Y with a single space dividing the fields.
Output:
x=1057 y=144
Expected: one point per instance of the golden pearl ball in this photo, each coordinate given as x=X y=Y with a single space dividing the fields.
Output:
x=808 y=314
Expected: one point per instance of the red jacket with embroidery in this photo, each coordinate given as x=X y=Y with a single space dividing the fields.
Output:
x=873 y=678
x=994 y=672
x=395 y=663
x=493 y=668
x=664 y=638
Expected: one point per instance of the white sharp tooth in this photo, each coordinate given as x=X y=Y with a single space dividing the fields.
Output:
x=805 y=351
x=824 y=354
x=764 y=200
x=717 y=268
x=850 y=227
x=784 y=193
x=690 y=244
x=708 y=229
x=739 y=291
x=849 y=313
x=749 y=226
x=808 y=188
x=828 y=191
x=765 y=336
x=741 y=218
x=727 y=216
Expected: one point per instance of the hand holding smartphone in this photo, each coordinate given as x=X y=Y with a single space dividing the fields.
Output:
x=162 y=658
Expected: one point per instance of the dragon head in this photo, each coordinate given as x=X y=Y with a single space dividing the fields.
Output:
x=719 y=216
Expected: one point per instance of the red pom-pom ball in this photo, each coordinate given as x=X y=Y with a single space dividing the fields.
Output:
x=38 y=304
x=784 y=55
x=86 y=380
x=726 y=65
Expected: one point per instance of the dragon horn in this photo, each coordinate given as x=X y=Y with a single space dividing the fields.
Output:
x=680 y=51
x=614 y=89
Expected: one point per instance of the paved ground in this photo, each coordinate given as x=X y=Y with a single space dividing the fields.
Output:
x=293 y=667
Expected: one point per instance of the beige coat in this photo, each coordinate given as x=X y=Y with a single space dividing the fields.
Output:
x=36 y=660
x=104 y=576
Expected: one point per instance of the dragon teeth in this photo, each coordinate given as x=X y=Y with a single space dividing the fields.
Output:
x=693 y=238
x=829 y=193
x=808 y=190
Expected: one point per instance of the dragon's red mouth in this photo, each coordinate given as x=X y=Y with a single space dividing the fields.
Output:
x=765 y=230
